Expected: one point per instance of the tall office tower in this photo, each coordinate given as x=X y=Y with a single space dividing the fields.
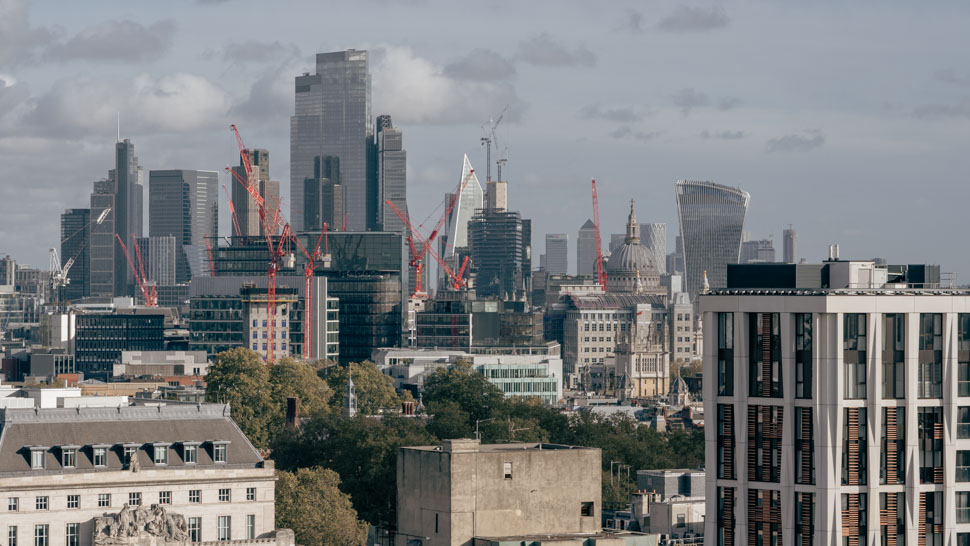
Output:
x=759 y=251
x=586 y=249
x=160 y=255
x=75 y=243
x=616 y=241
x=834 y=417
x=184 y=204
x=323 y=195
x=654 y=237
x=332 y=118
x=391 y=175
x=455 y=234
x=711 y=221
x=499 y=254
x=557 y=253
x=129 y=186
x=790 y=246
x=101 y=261
x=247 y=210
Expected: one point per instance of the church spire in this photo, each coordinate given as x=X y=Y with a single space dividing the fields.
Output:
x=632 y=228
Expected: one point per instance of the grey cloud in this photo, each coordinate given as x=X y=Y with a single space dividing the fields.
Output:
x=943 y=111
x=632 y=21
x=728 y=103
x=627 y=132
x=807 y=141
x=623 y=113
x=690 y=19
x=722 y=135
x=253 y=51
x=481 y=65
x=544 y=51
x=18 y=40
x=271 y=96
x=950 y=75
x=123 y=41
x=688 y=99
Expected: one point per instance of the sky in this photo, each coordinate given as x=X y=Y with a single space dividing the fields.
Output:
x=849 y=121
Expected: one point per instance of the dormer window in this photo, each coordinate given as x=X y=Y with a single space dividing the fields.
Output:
x=99 y=455
x=190 y=452
x=219 y=451
x=160 y=453
x=130 y=451
x=38 y=457
x=69 y=456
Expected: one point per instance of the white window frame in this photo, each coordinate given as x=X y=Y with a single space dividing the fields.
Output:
x=225 y=527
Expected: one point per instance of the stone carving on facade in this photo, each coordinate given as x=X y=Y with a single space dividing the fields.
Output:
x=134 y=524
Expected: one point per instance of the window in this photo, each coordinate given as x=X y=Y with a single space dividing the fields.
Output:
x=195 y=529
x=930 y=380
x=963 y=422
x=13 y=504
x=507 y=470
x=224 y=495
x=164 y=497
x=805 y=519
x=893 y=454
x=42 y=535
x=134 y=499
x=854 y=355
x=854 y=518
x=100 y=456
x=762 y=504
x=681 y=520
x=225 y=528
x=803 y=355
x=963 y=506
x=40 y=503
x=765 y=425
x=195 y=495
x=73 y=502
x=854 y=454
x=219 y=453
x=250 y=493
x=725 y=442
x=68 y=457
x=586 y=509
x=963 y=356
x=161 y=455
x=894 y=356
x=190 y=454
x=963 y=466
x=12 y=535
x=725 y=354
x=892 y=517
x=255 y=346
x=764 y=355
x=725 y=516
x=804 y=446
x=930 y=444
x=73 y=534
x=129 y=452
x=251 y=526
x=37 y=459
x=104 y=500
x=930 y=518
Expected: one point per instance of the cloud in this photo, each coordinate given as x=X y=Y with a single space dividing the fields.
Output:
x=481 y=64
x=622 y=113
x=252 y=51
x=12 y=94
x=688 y=99
x=632 y=21
x=690 y=19
x=271 y=95
x=950 y=75
x=627 y=132
x=943 y=111
x=418 y=91
x=542 y=50
x=122 y=41
x=810 y=139
x=179 y=103
x=722 y=135
x=18 y=39
x=727 y=103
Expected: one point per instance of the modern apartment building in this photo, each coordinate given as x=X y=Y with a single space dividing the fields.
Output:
x=838 y=407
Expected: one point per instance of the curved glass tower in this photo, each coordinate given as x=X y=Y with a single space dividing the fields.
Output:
x=711 y=221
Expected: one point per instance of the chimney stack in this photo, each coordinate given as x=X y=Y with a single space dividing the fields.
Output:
x=292 y=413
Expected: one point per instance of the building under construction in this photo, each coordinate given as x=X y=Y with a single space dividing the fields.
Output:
x=501 y=250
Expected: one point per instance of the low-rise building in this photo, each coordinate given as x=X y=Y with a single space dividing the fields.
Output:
x=162 y=363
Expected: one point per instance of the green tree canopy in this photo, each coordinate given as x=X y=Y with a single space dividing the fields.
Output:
x=240 y=378
x=288 y=378
x=448 y=421
x=375 y=391
x=467 y=388
x=310 y=503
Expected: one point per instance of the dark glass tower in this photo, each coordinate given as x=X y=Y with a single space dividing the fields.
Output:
x=75 y=241
x=184 y=204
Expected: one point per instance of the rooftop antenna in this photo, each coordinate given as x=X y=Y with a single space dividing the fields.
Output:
x=119 y=126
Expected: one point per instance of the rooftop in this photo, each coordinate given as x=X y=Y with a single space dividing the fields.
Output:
x=469 y=445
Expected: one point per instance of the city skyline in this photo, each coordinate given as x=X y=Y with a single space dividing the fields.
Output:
x=791 y=135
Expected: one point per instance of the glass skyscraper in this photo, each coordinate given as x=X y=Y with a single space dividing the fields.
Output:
x=654 y=237
x=331 y=119
x=184 y=204
x=75 y=241
x=711 y=221
x=122 y=193
x=391 y=175
x=557 y=253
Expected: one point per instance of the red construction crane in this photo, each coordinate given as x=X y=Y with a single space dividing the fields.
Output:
x=148 y=291
x=600 y=272
x=232 y=212
x=457 y=282
x=308 y=271
x=212 y=265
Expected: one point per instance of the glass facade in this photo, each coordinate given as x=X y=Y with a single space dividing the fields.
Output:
x=854 y=355
x=854 y=447
x=100 y=339
x=75 y=234
x=855 y=519
x=893 y=454
x=930 y=437
x=764 y=350
x=765 y=425
x=725 y=354
x=725 y=442
x=804 y=446
x=930 y=356
x=803 y=355
x=963 y=354
x=894 y=356
x=184 y=204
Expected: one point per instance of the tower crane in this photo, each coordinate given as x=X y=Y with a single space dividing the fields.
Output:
x=308 y=270
x=487 y=140
x=456 y=279
x=148 y=290
x=59 y=278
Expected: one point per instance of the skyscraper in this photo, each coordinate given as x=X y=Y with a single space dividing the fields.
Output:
x=332 y=118
x=101 y=261
x=247 y=210
x=557 y=253
x=790 y=248
x=75 y=243
x=128 y=185
x=159 y=256
x=184 y=204
x=391 y=175
x=586 y=249
x=759 y=251
x=471 y=199
x=711 y=221
x=498 y=252
x=654 y=237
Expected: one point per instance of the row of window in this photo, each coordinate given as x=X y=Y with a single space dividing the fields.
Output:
x=134 y=499
x=99 y=454
x=282 y=324
x=72 y=531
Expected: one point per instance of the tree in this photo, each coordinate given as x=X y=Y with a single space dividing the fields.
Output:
x=310 y=503
x=466 y=387
x=448 y=421
x=240 y=378
x=288 y=378
x=375 y=391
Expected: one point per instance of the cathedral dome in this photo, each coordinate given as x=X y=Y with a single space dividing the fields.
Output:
x=631 y=267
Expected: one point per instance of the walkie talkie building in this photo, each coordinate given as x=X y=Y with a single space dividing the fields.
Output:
x=711 y=221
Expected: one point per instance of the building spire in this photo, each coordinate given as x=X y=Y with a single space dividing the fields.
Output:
x=632 y=228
